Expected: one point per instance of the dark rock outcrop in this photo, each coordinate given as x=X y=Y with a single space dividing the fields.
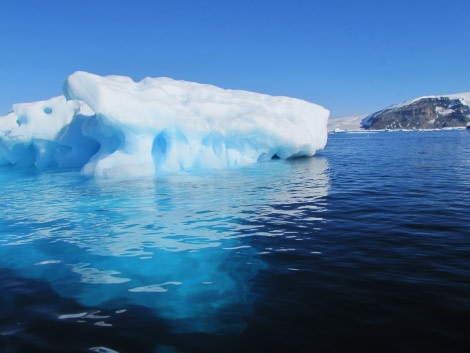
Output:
x=423 y=113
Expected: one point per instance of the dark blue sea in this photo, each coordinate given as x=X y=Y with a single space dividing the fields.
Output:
x=363 y=248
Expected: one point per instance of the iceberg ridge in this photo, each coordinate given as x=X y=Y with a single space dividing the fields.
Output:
x=112 y=126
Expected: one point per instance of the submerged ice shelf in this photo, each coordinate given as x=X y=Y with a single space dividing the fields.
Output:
x=112 y=126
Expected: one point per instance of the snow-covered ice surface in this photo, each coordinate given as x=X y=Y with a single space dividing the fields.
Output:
x=112 y=126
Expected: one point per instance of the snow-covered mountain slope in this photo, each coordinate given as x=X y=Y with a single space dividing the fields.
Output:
x=429 y=112
x=345 y=123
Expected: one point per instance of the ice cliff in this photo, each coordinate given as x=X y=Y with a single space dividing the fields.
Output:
x=112 y=126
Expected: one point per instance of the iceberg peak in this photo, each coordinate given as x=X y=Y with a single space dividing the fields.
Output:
x=114 y=126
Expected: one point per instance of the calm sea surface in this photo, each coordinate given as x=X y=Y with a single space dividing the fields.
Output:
x=365 y=247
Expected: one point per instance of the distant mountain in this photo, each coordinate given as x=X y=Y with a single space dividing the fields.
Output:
x=345 y=123
x=431 y=112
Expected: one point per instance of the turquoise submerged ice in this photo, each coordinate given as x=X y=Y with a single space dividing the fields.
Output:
x=178 y=245
x=112 y=126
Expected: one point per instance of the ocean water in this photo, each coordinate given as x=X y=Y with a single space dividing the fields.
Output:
x=364 y=247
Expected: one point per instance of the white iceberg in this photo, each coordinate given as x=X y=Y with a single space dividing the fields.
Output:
x=113 y=126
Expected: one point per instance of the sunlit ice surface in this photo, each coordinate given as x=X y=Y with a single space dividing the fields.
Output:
x=113 y=127
x=182 y=245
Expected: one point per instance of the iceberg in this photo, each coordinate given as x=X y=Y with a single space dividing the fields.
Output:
x=112 y=126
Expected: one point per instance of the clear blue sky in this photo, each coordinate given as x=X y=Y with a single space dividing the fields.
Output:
x=353 y=57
